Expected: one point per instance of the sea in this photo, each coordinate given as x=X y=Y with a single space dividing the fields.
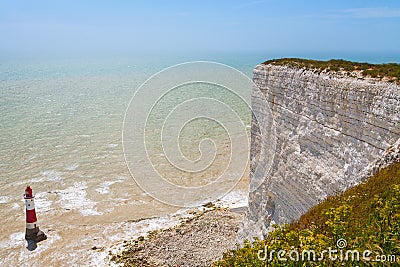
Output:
x=61 y=128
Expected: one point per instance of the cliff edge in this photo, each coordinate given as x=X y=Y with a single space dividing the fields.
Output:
x=331 y=132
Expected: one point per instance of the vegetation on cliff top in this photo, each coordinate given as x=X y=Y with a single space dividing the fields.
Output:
x=390 y=71
x=365 y=218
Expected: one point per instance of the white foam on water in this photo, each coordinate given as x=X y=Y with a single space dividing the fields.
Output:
x=4 y=199
x=47 y=176
x=72 y=167
x=130 y=202
x=234 y=199
x=129 y=230
x=132 y=230
x=42 y=204
x=32 y=157
x=138 y=202
x=74 y=198
x=105 y=186
x=99 y=258
x=112 y=145
x=15 y=240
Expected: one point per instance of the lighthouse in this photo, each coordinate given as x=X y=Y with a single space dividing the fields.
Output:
x=32 y=234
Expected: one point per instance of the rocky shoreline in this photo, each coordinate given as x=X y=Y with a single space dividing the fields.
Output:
x=197 y=241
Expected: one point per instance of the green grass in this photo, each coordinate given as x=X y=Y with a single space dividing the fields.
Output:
x=388 y=70
x=366 y=216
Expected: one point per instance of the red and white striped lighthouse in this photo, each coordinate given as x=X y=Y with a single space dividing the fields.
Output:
x=32 y=234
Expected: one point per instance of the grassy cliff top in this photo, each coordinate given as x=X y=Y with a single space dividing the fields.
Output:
x=389 y=72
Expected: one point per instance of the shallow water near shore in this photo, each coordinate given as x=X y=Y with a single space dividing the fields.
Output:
x=61 y=124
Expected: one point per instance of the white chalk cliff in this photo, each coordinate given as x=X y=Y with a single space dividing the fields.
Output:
x=330 y=130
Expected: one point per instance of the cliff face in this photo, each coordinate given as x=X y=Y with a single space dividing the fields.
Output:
x=329 y=133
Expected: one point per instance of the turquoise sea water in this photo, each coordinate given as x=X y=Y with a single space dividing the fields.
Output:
x=64 y=117
x=61 y=124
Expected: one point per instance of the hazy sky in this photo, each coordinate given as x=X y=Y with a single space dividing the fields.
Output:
x=29 y=27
